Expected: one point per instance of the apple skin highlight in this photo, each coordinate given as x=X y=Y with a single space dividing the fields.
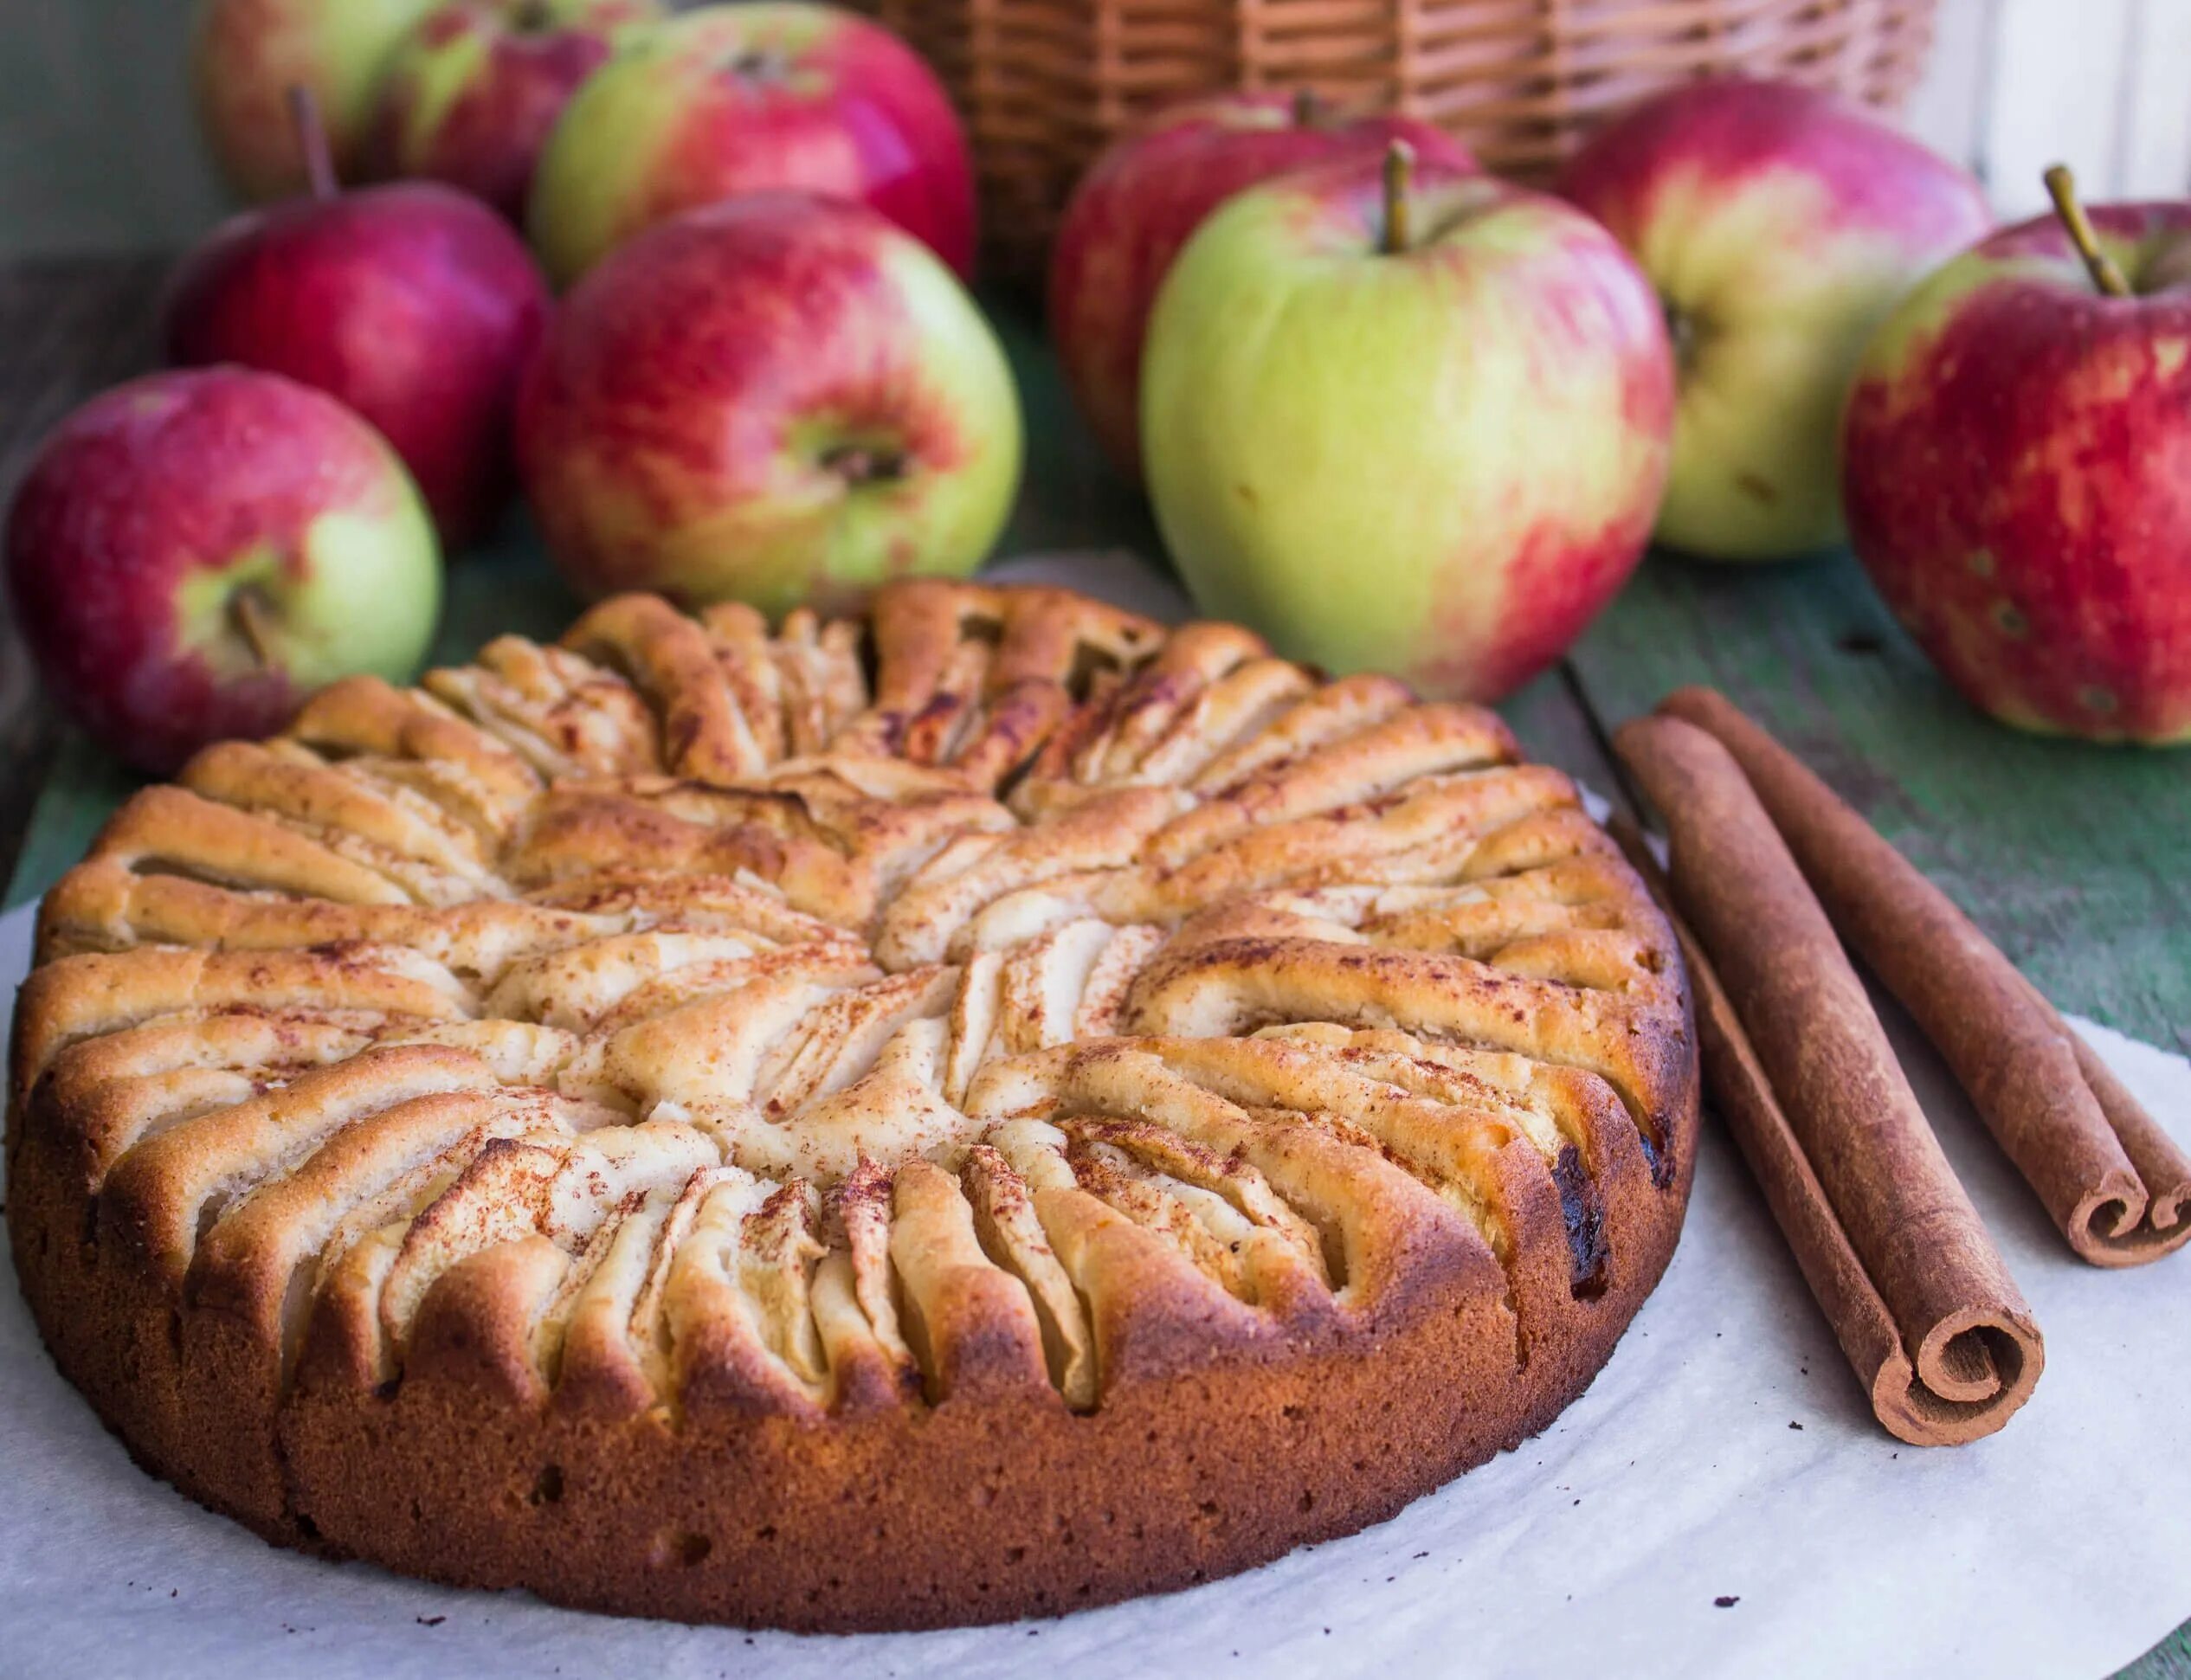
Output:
x=1438 y=463
x=780 y=400
x=148 y=509
x=2018 y=474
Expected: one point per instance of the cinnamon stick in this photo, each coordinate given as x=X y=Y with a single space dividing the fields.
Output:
x=1742 y=1097
x=1799 y=1068
x=2118 y=1186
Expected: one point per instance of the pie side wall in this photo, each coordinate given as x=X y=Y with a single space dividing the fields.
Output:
x=996 y=1502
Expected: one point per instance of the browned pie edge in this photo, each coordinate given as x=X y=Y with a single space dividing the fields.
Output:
x=1208 y=1455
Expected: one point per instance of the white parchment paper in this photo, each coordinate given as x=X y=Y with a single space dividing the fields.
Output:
x=1724 y=1453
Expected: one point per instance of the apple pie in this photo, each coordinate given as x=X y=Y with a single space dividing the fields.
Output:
x=970 y=1112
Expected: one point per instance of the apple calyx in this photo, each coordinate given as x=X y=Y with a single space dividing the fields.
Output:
x=533 y=18
x=2061 y=187
x=1683 y=333
x=859 y=464
x=759 y=64
x=312 y=140
x=253 y=621
x=1399 y=168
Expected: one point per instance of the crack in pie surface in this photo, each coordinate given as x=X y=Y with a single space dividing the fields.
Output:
x=976 y=1111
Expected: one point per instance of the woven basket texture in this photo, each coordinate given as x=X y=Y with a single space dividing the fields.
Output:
x=1045 y=84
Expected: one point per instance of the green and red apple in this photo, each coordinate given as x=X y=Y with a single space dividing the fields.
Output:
x=1779 y=226
x=246 y=55
x=778 y=94
x=1417 y=429
x=191 y=555
x=1140 y=201
x=472 y=94
x=2017 y=469
x=779 y=399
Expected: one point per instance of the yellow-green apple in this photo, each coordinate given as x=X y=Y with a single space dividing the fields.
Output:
x=1136 y=207
x=246 y=55
x=730 y=100
x=2017 y=467
x=414 y=304
x=192 y=554
x=1779 y=226
x=778 y=399
x=1420 y=429
x=471 y=94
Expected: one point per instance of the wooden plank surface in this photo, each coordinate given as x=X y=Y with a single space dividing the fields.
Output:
x=2069 y=856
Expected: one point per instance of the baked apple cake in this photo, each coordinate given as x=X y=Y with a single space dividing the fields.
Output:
x=976 y=1111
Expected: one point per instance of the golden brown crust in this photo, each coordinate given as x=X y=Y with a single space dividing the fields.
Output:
x=982 y=1111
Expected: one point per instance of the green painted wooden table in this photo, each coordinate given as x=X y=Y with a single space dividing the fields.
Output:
x=2071 y=857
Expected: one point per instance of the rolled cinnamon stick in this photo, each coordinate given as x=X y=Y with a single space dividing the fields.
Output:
x=1742 y=1097
x=1799 y=1068
x=2117 y=1185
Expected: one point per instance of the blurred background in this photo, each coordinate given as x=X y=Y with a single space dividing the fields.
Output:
x=97 y=152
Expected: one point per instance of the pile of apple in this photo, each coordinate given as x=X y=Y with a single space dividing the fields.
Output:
x=1399 y=416
x=764 y=377
x=1393 y=412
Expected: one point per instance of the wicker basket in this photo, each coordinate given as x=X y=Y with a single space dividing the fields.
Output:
x=1045 y=84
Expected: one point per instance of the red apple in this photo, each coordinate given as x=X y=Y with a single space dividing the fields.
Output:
x=192 y=554
x=780 y=398
x=414 y=303
x=742 y=99
x=2017 y=469
x=246 y=55
x=1136 y=206
x=1780 y=225
x=473 y=91
x=1415 y=428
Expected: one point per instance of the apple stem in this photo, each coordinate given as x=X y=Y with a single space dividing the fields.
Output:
x=2061 y=187
x=311 y=139
x=247 y=611
x=1399 y=164
x=1308 y=109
